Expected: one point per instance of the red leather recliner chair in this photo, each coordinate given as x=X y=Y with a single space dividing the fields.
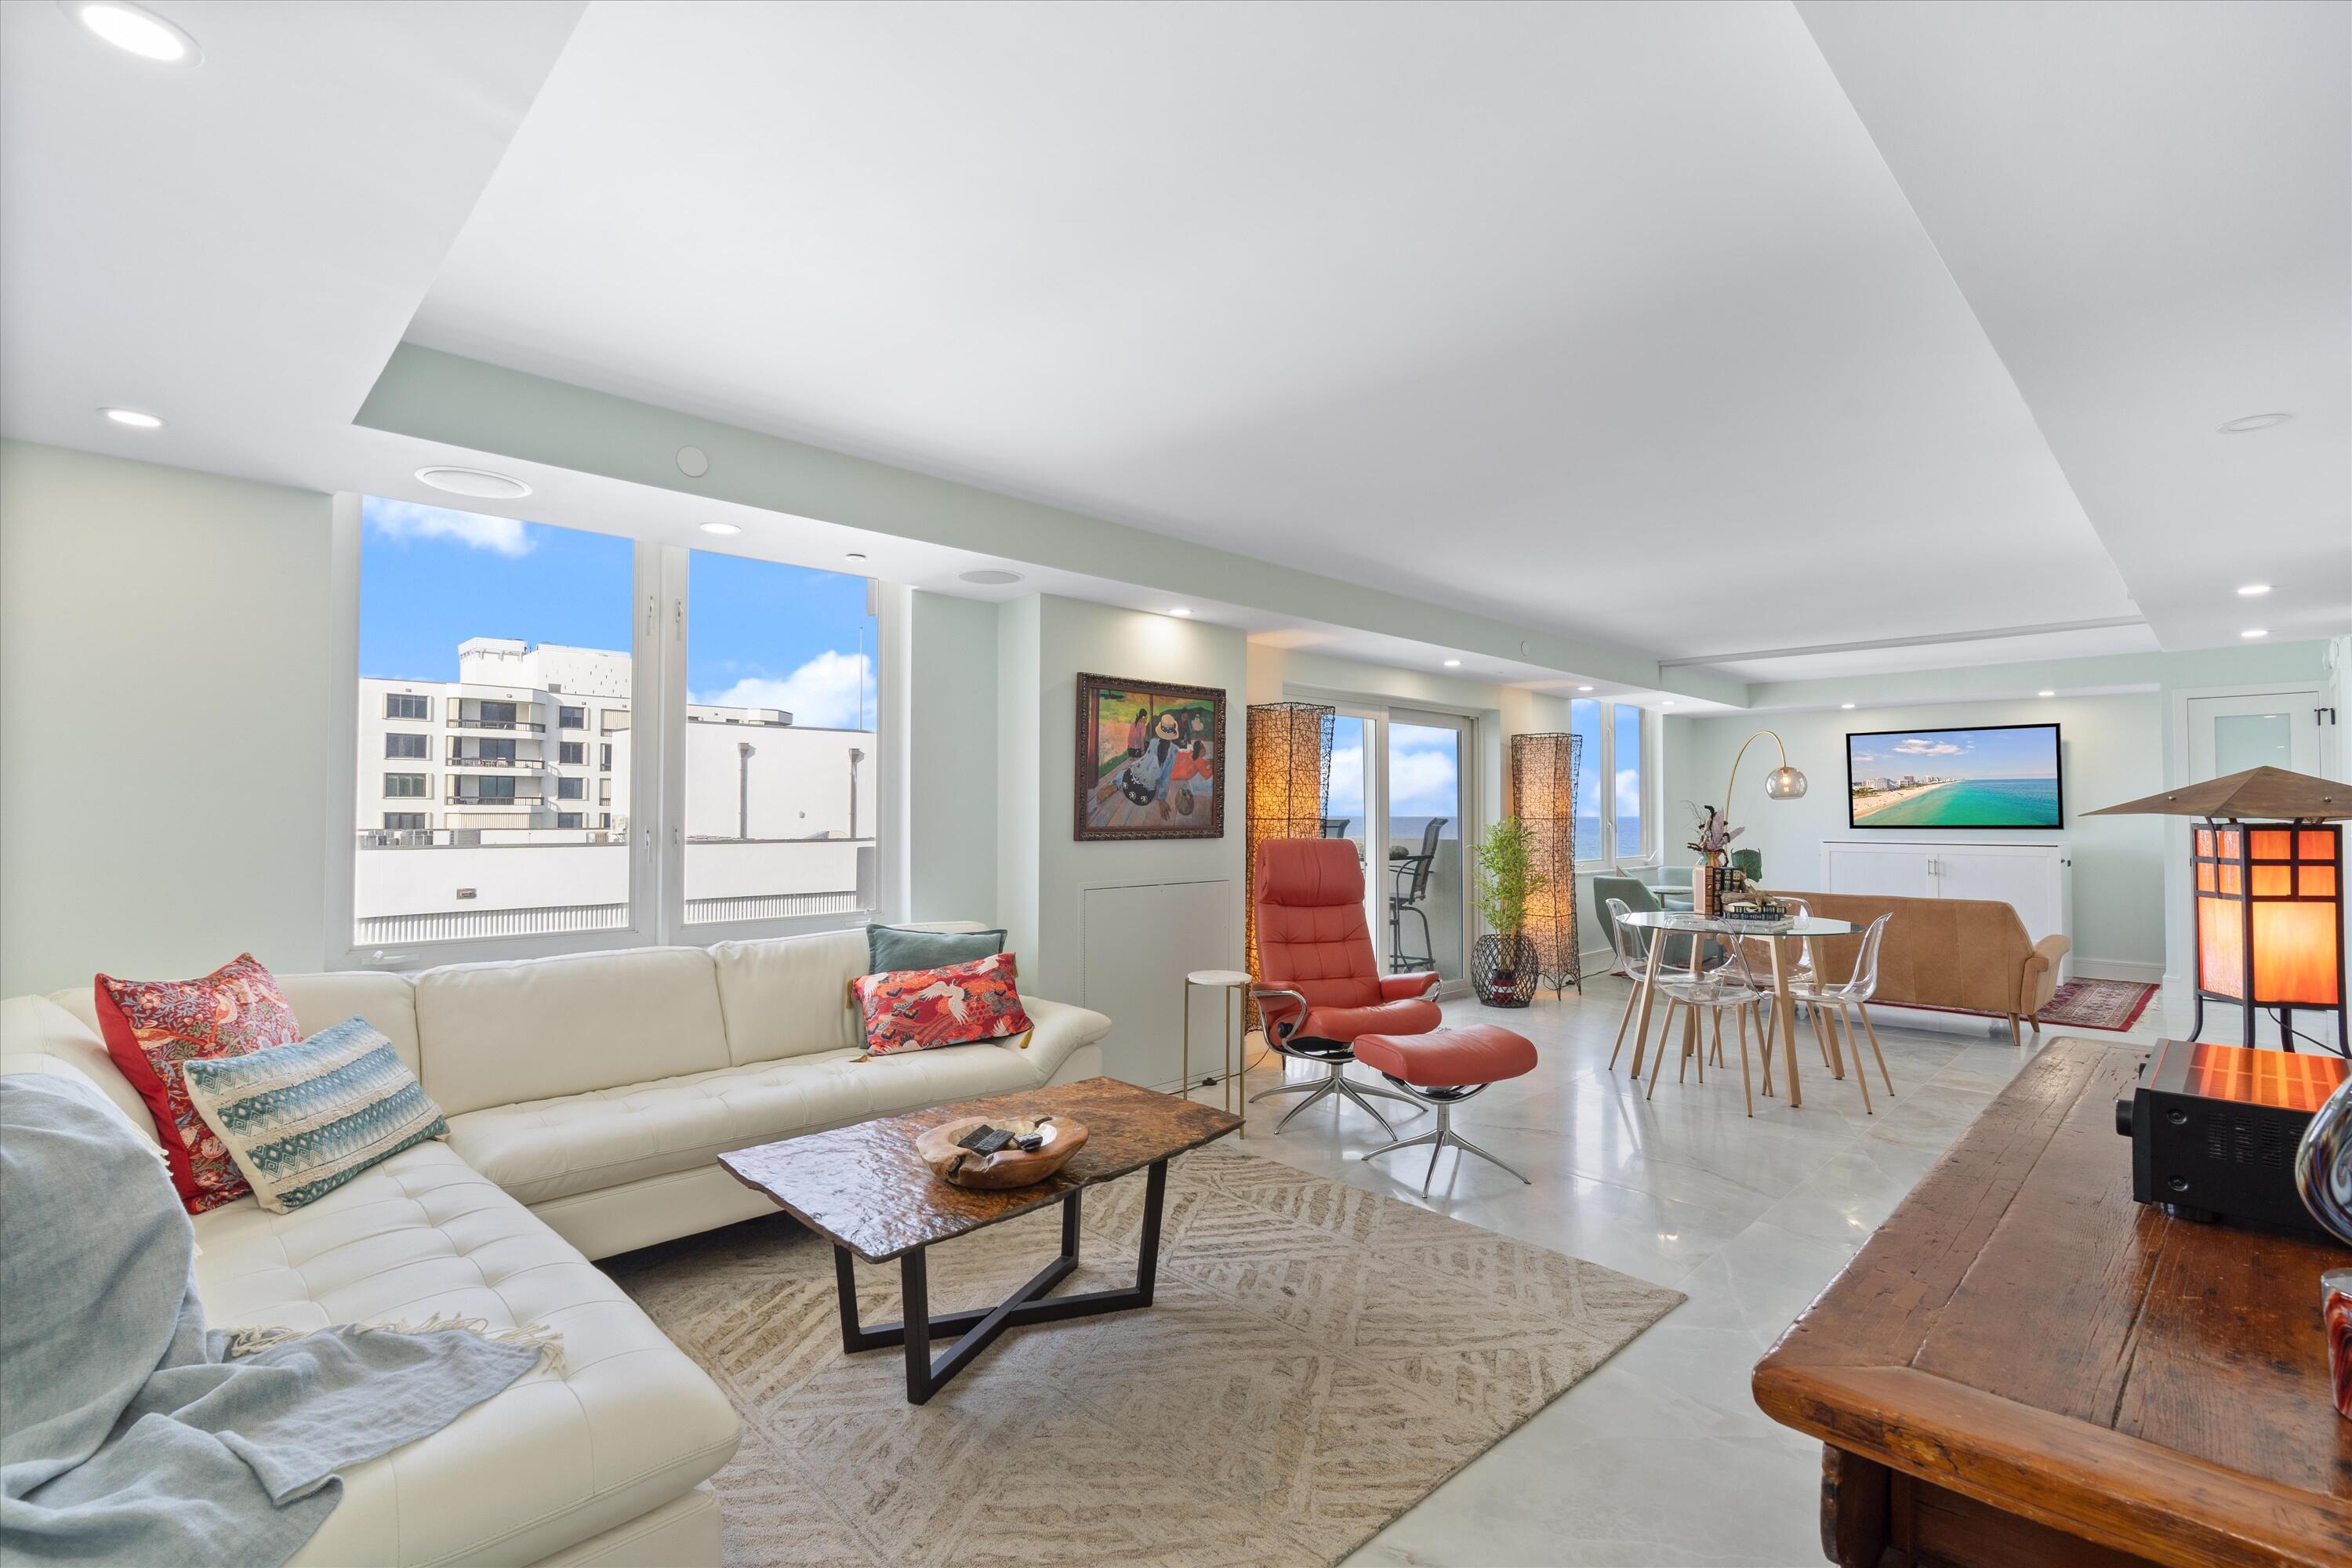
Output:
x=1318 y=986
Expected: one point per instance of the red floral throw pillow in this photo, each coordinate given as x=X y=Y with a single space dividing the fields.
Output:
x=151 y=1027
x=916 y=1009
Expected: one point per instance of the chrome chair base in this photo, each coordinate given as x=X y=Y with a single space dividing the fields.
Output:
x=1438 y=1137
x=1338 y=1083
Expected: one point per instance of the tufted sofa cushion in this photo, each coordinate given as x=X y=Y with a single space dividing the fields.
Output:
x=627 y=1424
x=553 y=1148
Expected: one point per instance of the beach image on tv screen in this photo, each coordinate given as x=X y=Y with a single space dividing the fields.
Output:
x=1955 y=778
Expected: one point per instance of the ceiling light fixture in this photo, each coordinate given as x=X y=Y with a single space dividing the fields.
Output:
x=2253 y=590
x=857 y=555
x=133 y=418
x=135 y=30
x=477 y=482
x=1584 y=689
x=2046 y=694
x=1668 y=703
x=2255 y=632
x=988 y=577
x=1180 y=610
x=1846 y=705
x=1452 y=664
x=2254 y=422
x=724 y=530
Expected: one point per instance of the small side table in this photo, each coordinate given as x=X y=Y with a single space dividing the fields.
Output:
x=1231 y=983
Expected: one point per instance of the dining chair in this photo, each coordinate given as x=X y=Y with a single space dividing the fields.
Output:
x=1727 y=987
x=1828 y=1003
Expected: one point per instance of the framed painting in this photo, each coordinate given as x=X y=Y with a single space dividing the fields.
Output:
x=1151 y=759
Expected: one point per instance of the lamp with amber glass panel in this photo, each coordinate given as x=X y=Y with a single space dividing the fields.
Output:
x=2267 y=863
x=1289 y=779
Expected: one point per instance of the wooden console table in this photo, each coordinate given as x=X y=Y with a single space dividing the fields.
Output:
x=2024 y=1366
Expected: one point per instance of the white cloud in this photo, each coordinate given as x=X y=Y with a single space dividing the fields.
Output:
x=1916 y=746
x=1629 y=794
x=1422 y=783
x=406 y=521
x=1348 y=777
x=822 y=694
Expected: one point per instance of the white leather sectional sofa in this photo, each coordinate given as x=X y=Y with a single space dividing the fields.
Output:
x=586 y=1098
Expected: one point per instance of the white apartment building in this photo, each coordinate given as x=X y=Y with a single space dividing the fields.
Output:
x=499 y=802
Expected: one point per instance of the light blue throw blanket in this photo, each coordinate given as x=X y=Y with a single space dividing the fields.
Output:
x=130 y=1434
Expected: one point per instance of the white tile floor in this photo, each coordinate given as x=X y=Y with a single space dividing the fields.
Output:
x=1661 y=1456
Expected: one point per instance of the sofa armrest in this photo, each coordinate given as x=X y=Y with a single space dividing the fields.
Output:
x=2041 y=982
x=1404 y=987
x=1058 y=1030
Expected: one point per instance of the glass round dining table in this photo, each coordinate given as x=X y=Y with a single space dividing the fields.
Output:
x=1772 y=934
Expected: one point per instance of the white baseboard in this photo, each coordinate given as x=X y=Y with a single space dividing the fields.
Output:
x=2137 y=969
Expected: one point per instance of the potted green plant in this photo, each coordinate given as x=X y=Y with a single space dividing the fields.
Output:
x=1503 y=963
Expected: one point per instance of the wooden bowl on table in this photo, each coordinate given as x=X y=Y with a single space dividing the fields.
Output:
x=1009 y=1166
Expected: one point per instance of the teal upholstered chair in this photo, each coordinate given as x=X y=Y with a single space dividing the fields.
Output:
x=1638 y=897
x=1671 y=886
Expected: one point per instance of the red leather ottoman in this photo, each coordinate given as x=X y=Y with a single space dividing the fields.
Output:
x=1442 y=1068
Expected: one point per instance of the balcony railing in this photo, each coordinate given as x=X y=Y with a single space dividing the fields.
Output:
x=459 y=721
x=535 y=764
x=457 y=797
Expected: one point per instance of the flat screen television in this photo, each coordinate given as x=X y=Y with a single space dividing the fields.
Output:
x=1998 y=776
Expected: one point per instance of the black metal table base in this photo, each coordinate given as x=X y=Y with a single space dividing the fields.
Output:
x=979 y=1330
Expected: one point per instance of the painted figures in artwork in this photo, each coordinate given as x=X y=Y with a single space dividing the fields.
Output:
x=1148 y=762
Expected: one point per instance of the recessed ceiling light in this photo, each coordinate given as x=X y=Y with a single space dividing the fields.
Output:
x=479 y=483
x=2254 y=422
x=1668 y=703
x=1845 y=705
x=2255 y=632
x=1452 y=664
x=722 y=529
x=1180 y=610
x=135 y=30
x=990 y=577
x=857 y=555
x=133 y=418
x=2253 y=590
x=2046 y=694
x=1584 y=689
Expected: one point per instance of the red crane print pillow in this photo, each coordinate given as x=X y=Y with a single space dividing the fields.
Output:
x=916 y=1009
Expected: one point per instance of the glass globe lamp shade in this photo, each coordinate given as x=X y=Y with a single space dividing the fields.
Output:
x=1784 y=783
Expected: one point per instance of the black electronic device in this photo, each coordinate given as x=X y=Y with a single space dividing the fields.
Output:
x=2214 y=1128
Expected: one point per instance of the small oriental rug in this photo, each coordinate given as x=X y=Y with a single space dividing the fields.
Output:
x=2098 y=1004
x=1318 y=1359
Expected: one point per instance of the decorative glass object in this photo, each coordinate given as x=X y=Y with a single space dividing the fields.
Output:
x=1543 y=796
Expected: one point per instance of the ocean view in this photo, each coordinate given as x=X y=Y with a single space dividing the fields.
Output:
x=1973 y=803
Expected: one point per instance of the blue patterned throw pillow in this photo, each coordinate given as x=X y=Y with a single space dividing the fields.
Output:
x=301 y=1120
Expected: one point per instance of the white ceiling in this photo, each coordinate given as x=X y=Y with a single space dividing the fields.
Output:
x=1610 y=319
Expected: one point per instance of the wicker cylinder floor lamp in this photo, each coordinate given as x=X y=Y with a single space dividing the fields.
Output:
x=1289 y=777
x=1543 y=796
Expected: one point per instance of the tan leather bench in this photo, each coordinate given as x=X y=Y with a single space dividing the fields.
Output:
x=1969 y=955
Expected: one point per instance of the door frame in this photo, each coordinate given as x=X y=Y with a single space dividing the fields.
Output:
x=2179 y=923
x=1466 y=787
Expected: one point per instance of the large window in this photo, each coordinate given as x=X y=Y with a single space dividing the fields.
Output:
x=1591 y=811
x=753 y=806
x=1612 y=781
x=494 y=616
x=780 y=806
x=1626 y=782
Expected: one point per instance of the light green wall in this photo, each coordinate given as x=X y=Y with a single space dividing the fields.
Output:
x=952 y=752
x=2117 y=730
x=164 y=719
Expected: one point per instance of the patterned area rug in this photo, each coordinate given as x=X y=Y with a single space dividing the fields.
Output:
x=2097 y=1004
x=1317 y=1360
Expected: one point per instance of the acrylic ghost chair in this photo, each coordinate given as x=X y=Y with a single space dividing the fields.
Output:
x=1726 y=987
x=1828 y=1004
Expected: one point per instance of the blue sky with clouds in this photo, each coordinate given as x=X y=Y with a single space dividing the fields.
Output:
x=761 y=634
x=2027 y=754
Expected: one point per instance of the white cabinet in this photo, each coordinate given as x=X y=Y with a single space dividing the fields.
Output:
x=2035 y=879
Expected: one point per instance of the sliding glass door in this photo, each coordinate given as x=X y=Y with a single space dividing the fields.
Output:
x=1426 y=764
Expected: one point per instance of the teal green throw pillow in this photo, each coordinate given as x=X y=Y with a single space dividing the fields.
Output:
x=301 y=1120
x=889 y=948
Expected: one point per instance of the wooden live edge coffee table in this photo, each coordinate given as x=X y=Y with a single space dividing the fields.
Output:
x=866 y=1190
x=2023 y=1366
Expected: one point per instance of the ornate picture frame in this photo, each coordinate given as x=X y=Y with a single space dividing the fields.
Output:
x=1151 y=760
